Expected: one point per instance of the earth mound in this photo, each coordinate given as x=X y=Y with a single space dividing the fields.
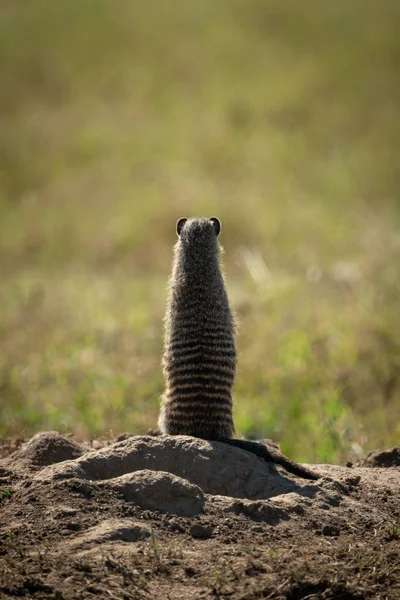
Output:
x=180 y=517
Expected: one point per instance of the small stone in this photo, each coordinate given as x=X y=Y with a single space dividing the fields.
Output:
x=330 y=530
x=123 y=436
x=353 y=481
x=201 y=532
x=31 y=499
x=175 y=525
x=298 y=509
x=65 y=511
x=96 y=445
x=73 y=526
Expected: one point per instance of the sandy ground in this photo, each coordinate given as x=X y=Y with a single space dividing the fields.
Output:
x=181 y=518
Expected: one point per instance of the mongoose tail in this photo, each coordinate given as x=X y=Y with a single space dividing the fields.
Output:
x=271 y=455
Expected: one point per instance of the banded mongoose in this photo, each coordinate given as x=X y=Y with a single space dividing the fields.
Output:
x=199 y=360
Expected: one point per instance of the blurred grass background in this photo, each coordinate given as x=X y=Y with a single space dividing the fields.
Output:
x=279 y=117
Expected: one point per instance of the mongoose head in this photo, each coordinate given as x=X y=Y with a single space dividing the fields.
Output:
x=198 y=228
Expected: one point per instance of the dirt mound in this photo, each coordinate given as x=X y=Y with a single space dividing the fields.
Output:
x=215 y=467
x=156 y=490
x=184 y=518
x=45 y=449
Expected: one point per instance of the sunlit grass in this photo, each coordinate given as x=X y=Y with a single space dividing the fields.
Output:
x=278 y=117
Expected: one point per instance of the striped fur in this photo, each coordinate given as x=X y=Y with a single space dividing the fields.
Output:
x=199 y=359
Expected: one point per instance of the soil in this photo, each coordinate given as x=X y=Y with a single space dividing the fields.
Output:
x=181 y=518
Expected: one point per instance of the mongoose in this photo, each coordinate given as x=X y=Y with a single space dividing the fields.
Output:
x=199 y=360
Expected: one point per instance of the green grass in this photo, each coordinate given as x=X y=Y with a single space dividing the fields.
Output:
x=279 y=117
x=5 y=494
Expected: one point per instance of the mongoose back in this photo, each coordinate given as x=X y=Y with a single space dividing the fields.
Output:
x=200 y=355
x=199 y=361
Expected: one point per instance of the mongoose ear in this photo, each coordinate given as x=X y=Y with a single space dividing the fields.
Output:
x=216 y=224
x=179 y=225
